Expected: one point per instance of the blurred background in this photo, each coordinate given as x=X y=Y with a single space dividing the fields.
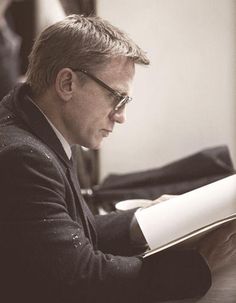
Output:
x=185 y=100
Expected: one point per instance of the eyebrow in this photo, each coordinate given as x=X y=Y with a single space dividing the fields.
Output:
x=101 y=82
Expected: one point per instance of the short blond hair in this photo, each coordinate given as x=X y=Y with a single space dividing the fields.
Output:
x=77 y=42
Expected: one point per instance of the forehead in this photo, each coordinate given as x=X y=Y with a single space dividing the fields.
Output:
x=122 y=65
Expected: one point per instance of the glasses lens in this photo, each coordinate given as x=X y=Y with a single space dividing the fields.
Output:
x=122 y=103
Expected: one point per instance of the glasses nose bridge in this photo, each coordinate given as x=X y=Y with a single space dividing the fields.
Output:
x=122 y=102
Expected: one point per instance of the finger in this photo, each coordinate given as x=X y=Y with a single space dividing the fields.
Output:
x=164 y=198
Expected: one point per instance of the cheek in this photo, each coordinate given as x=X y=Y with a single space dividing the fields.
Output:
x=96 y=117
x=90 y=115
x=97 y=104
x=89 y=123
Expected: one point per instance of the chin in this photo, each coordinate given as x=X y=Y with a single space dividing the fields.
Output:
x=93 y=145
x=98 y=146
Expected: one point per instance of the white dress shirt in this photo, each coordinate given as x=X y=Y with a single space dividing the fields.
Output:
x=63 y=141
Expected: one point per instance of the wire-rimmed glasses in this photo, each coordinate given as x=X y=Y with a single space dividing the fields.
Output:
x=122 y=99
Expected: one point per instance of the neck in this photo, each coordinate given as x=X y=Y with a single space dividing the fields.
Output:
x=50 y=105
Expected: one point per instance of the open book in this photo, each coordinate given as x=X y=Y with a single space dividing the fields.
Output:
x=188 y=215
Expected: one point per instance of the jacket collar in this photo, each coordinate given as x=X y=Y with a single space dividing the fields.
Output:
x=37 y=122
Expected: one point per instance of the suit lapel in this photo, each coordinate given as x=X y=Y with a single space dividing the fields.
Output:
x=87 y=218
x=39 y=125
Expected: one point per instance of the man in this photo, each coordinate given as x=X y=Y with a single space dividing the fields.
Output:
x=52 y=248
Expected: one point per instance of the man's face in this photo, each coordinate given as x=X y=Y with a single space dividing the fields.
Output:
x=90 y=115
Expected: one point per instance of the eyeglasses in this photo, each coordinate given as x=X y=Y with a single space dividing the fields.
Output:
x=122 y=99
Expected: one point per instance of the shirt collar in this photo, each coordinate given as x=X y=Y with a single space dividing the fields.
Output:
x=63 y=141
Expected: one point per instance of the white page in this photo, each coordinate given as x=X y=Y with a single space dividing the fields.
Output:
x=170 y=220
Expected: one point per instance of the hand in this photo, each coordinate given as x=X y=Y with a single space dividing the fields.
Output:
x=219 y=246
x=162 y=198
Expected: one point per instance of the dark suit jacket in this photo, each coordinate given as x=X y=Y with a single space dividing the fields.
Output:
x=52 y=248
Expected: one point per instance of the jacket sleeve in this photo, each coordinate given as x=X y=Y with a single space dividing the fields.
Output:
x=113 y=232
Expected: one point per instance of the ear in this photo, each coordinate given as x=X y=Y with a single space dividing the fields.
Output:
x=63 y=83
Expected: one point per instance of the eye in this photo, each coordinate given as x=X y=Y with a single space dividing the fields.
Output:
x=114 y=97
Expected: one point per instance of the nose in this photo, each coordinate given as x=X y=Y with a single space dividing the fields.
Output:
x=119 y=116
